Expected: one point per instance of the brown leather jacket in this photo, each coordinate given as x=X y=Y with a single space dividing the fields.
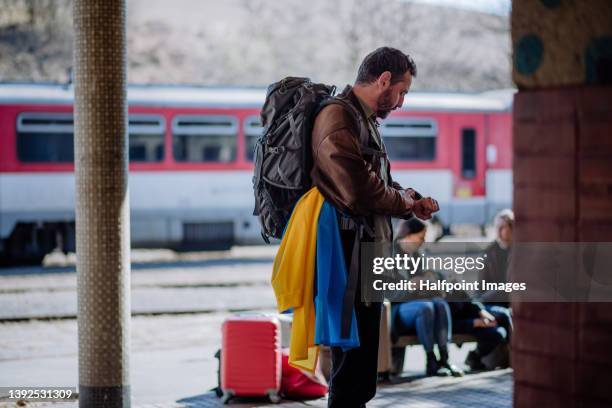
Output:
x=348 y=179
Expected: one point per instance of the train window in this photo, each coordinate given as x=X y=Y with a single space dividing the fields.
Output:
x=45 y=137
x=468 y=153
x=146 y=138
x=408 y=139
x=49 y=137
x=200 y=138
x=252 y=131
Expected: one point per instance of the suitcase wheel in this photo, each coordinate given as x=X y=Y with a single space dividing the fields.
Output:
x=274 y=397
x=227 y=396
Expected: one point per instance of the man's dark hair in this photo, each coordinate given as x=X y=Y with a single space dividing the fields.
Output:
x=385 y=59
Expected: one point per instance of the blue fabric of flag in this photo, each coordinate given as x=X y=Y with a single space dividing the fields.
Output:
x=331 y=278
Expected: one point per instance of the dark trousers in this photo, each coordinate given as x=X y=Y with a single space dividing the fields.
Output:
x=503 y=315
x=354 y=372
x=487 y=338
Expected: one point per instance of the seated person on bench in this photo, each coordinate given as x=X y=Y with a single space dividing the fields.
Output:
x=430 y=318
x=472 y=318
x=496 y=270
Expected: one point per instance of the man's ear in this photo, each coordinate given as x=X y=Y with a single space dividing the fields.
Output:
x=384 y=80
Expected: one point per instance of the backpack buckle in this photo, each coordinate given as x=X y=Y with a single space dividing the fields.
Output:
x=276 y=149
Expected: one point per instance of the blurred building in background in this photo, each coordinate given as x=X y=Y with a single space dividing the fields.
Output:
x=256 y=42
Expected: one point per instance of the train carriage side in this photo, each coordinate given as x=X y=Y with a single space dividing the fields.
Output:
x=456 y=148
x=190 y=153
x=189 y=178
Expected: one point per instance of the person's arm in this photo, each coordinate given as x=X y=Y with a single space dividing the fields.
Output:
x=345 y=177
x=410 y=191
x=347 y=180
x=485 y=319
x=415 y=195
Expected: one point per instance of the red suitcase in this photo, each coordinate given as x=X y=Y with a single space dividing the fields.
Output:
x=251 y=357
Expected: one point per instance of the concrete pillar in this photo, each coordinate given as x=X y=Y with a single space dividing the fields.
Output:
x=102 y=206
x=562 y=354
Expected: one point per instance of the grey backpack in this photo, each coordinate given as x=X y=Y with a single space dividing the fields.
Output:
x=283 y=158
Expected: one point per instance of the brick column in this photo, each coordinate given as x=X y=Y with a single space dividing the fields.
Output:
x=102 y=203
x=562 y=352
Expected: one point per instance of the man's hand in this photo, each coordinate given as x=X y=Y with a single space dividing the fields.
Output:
x=484 y=314
x=413 y=194
x=484 y=323
x=486 y=320
x=424 y=207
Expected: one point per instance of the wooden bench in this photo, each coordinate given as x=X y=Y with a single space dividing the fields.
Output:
x=413 y=340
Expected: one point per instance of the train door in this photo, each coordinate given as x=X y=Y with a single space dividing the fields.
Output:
x=468 y=140
x=468 y=167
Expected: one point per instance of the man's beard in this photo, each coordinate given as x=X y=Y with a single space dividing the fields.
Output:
x=384 y=104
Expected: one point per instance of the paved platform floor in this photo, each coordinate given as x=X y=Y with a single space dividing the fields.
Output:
x=172 y=355
x=489 y=390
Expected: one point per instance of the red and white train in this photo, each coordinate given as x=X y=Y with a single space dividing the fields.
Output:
x=191 y=162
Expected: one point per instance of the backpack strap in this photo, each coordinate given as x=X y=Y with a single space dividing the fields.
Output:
x=358 y=225
x=364 y=131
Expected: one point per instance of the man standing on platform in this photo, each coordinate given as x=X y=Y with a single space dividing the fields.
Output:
x=355 y=177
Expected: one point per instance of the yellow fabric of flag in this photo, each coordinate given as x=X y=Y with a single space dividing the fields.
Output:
x=293 y=278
